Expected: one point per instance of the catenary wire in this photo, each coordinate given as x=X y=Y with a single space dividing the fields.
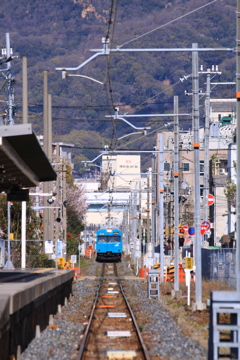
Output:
x=168 y=23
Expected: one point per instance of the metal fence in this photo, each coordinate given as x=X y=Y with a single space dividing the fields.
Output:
x=219 y=265
x=35 y=256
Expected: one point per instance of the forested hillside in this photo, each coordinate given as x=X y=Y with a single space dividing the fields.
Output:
x=59 y=33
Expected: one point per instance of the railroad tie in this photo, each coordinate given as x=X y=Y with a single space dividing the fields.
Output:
x=121 y=354
x=118 y=333
x=117 y=315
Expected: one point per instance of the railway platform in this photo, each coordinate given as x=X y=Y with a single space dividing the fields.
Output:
x=27 y=299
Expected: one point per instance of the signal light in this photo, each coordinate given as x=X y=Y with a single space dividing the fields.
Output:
x=181 y=241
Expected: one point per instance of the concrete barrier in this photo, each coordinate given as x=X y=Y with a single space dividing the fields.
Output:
x=23 y=306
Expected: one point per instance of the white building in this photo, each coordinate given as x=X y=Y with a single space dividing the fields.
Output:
x=108 y=198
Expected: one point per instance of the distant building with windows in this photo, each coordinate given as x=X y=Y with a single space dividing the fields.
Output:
x=110 y=196
x=222 y=154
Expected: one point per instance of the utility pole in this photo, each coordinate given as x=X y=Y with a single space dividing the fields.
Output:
x=208 y=73
x=196 y=145
x=153 y=217
x=161 y=207
x=176 y=290
x=9 y=264
x=148 y=211
x=140 y=217
x=135 y=225
x=10 y=80
x=238 y=146
x=46 y=234
x=24 y=91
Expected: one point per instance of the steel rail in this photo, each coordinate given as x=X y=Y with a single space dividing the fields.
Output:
x=144 y=348
x=85 y=337
x=84 y=340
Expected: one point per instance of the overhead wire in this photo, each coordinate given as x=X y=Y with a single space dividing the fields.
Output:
x=168 y=23
x=162 y=91
x=109 y=36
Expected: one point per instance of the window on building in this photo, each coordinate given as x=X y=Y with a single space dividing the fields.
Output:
x=201 y=190
x=166 y=166
x=201 y=167
x=167 y=189
x=185 y=166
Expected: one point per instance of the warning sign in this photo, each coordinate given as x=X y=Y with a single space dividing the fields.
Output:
x=188 y=263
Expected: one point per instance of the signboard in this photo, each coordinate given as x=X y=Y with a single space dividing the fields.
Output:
x=206 y=223
x=48 y=247
x=74 y=259
x=188 y=263
x=191 y=231
x=205 y=226
x=211 y=199
x=203 y=229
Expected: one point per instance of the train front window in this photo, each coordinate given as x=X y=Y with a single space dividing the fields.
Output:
x=109 y=239
x=113 y=239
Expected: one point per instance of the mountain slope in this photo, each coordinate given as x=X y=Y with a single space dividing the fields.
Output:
x=58 y=33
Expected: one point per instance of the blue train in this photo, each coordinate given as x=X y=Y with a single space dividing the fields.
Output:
x=108 y=245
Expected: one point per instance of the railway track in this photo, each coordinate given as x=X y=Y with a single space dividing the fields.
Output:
x=112 y=331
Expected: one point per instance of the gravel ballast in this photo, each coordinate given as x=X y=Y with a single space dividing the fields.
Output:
x=162 y=335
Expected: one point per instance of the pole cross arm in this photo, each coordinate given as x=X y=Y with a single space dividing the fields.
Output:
x=104 y=51
x=79 y=66
x=134 y=127
x=133 y=133
x=91 y=161
x=166 y=50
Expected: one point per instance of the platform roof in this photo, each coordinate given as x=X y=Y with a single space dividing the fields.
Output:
x=23 y=163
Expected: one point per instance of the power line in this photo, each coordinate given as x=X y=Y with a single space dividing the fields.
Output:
x=168 y=23
x=106 y=106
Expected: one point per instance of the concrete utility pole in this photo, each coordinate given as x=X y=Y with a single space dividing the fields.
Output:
x=47 y=147
x=238 y=146
x=206 y=149
x=148 y=210
x=208 y=73
x=140 y=217
x=9 y=264
x=161 y=207
x=176 y=291
x=196 y=145
x=24 y=91
x=135 y=225
x=154 y=238
x=10 y=82
x=25 y=121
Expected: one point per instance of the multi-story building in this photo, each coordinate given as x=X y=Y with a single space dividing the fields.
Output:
x=110 y=196
x=222 y=154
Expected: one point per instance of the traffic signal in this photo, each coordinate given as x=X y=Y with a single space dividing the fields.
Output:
x=181 y=237
x=181 y=241
x=181 y=231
